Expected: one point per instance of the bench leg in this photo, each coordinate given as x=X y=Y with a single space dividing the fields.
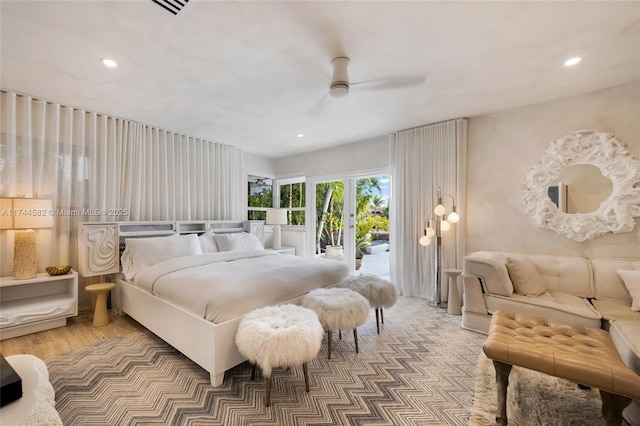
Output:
x=612 y=407
x=502 y=382
x=305 y=370
x=268 y=391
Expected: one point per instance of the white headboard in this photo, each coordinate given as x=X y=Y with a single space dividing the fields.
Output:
x=100 y=243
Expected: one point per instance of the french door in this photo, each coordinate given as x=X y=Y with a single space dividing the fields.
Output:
x=337 y=207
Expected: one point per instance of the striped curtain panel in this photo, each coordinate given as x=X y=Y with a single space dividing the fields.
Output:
x=100 y=168
x=421 y=161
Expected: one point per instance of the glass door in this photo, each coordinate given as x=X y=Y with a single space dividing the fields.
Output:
x=352 y=223
x=371 y=253
x=329 y=219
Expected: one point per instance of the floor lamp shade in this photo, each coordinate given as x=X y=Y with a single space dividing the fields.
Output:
x=24 y=215
x=276 y=217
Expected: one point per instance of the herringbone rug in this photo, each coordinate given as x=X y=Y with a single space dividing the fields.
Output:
x=419 y=371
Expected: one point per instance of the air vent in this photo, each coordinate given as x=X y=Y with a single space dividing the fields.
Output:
x=173 y=6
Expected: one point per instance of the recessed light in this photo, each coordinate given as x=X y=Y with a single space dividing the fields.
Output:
x=300 y=135
x=573 y=61
x=109 y=62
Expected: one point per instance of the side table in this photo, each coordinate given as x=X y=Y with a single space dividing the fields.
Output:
x=454 y=305
x=100 y=316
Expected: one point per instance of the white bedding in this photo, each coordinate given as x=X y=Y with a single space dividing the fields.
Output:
x=226 y=285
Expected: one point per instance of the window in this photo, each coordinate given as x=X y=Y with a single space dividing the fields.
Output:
x=260 y=197
x=292 y=197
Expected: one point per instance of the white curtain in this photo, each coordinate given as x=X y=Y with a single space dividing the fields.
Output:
x=100 y=168
x=422 y=160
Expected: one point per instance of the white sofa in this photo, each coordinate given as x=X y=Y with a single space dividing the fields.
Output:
x=568 y=289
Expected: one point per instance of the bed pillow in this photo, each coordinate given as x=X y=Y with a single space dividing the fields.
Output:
x=631 y=280
x=142 y=252
x=239 y=241
x=525 y=277
x=208 y=243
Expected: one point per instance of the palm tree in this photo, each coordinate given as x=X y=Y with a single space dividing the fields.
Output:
x=333 y=198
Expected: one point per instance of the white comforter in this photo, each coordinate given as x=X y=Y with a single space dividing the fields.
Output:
x=222 y=286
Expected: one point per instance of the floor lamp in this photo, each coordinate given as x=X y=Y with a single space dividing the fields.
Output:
x=441 y=224
x=24 y=215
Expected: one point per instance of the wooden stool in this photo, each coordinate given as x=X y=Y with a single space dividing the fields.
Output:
x=100 y=316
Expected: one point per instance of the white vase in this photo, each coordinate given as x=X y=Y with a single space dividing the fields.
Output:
x=334 y=252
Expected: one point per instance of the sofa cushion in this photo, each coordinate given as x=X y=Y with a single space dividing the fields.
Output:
x=608 y=284
x=631 y=280
x=556 y=306
x=626 y=336
x=525 y=277
x=615 y=310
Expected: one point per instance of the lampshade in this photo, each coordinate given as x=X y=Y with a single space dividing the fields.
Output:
x=25 y=213
x=276 y=217
x=453 y=217
x=440 y=210
x=444 y=225
x=430 y=232
x=425 y=240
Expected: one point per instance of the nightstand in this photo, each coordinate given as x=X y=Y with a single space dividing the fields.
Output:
x=285 y=250
x=37 y=304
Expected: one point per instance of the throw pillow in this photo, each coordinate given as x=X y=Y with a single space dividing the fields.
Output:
x=142 y=252
x=525 y=277
x=241 y=241
x=208 y=243
x=631 y=280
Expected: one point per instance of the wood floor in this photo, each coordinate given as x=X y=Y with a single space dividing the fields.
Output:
x=78 y=333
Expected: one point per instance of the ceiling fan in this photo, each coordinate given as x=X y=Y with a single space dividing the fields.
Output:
x=340 y=84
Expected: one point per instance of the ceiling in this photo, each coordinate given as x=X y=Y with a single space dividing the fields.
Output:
x=255 y=74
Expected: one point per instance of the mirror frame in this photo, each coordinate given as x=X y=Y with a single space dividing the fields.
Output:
x=599 y=149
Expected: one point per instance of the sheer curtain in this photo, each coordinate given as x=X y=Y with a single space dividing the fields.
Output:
x=100 y=168
x=421 y=160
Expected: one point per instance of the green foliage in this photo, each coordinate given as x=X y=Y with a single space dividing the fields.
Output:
x=260 y=195
x=293 y=195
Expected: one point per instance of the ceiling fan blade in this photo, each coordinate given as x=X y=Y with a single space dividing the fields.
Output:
x=390 y=83
x=319 y=106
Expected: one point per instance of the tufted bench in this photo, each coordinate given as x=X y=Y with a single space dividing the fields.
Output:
x=579 y=354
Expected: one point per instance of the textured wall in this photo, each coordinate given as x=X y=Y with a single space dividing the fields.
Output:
x=502 y=148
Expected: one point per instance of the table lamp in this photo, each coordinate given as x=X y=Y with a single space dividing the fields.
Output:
x=276 y=217
x=24 y=215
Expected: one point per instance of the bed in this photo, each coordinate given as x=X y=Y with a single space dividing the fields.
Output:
x=226 y=283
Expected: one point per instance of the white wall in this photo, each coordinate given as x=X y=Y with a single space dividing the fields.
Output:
x=504 y=146
x=257 y=165
x=363 y=155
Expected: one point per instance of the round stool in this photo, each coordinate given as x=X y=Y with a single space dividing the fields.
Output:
x=100 y=316
x=380 y=293
x=338 y=309
x=453 y=304
x=279 y=336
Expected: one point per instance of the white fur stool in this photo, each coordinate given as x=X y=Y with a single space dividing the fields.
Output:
x=279 y=336
x=338 y=309
x=380 y=293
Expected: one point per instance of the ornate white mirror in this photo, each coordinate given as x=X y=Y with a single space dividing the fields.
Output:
x=594 y=183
